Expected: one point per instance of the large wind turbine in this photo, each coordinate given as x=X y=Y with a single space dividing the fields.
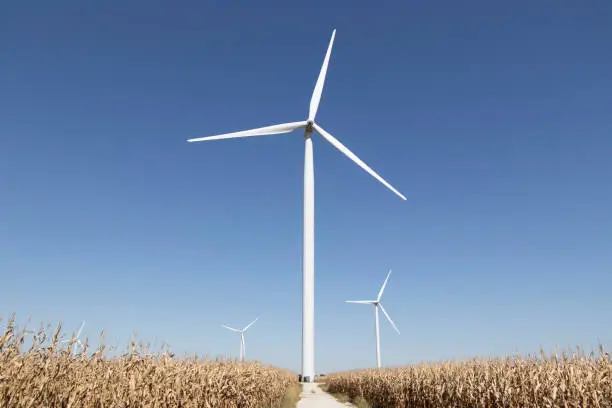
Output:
x=378 y=305
x=309 y=126
x=242 y=348
x=77 y=337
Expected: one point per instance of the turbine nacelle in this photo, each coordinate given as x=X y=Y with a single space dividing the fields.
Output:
x=309 y=128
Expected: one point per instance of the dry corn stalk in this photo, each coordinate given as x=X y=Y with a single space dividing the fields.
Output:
x=47 y=375
x=572 y=380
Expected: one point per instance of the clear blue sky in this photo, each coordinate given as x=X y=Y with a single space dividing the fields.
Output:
x=493 y=119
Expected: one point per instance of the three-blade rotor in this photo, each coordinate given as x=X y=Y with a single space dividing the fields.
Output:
x=377 y=303
x=77 y=338
x=241 y=330
x=309 y=125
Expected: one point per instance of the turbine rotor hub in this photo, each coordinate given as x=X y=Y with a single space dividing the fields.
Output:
x=309 y=126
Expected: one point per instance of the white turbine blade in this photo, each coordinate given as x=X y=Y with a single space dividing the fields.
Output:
x=388 y=318
x=336 y=143
x=231 y=328
x=363 y=302
x=382 y=289
x=318 y=90
x=250 y=324
x=80 y=330
x=267 y=130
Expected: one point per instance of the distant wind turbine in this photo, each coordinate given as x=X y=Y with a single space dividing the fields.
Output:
x=309 y=126
x=378 y=305
x=242 y=347
x=78 y=340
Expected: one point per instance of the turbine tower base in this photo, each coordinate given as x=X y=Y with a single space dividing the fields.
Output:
x=304 y=379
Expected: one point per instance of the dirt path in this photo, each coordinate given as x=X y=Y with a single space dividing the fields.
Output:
x=314 y=397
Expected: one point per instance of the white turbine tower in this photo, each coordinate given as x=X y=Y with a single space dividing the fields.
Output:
x=242 y=348
x=378 y=305
x=78 y=340
x=309 y=126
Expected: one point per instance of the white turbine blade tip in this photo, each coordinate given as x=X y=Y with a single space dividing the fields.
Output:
x=382 y=288
x=318 y=90
x=80 y=329
x=388 y=318
x=262 y=131
x=336 y=143
x=250 y=324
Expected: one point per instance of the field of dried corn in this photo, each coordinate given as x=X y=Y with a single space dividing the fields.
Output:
x=47 y=374
x=572 y=379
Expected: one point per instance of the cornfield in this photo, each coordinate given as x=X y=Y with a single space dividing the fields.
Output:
x=47 y=374
x=573 y=379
